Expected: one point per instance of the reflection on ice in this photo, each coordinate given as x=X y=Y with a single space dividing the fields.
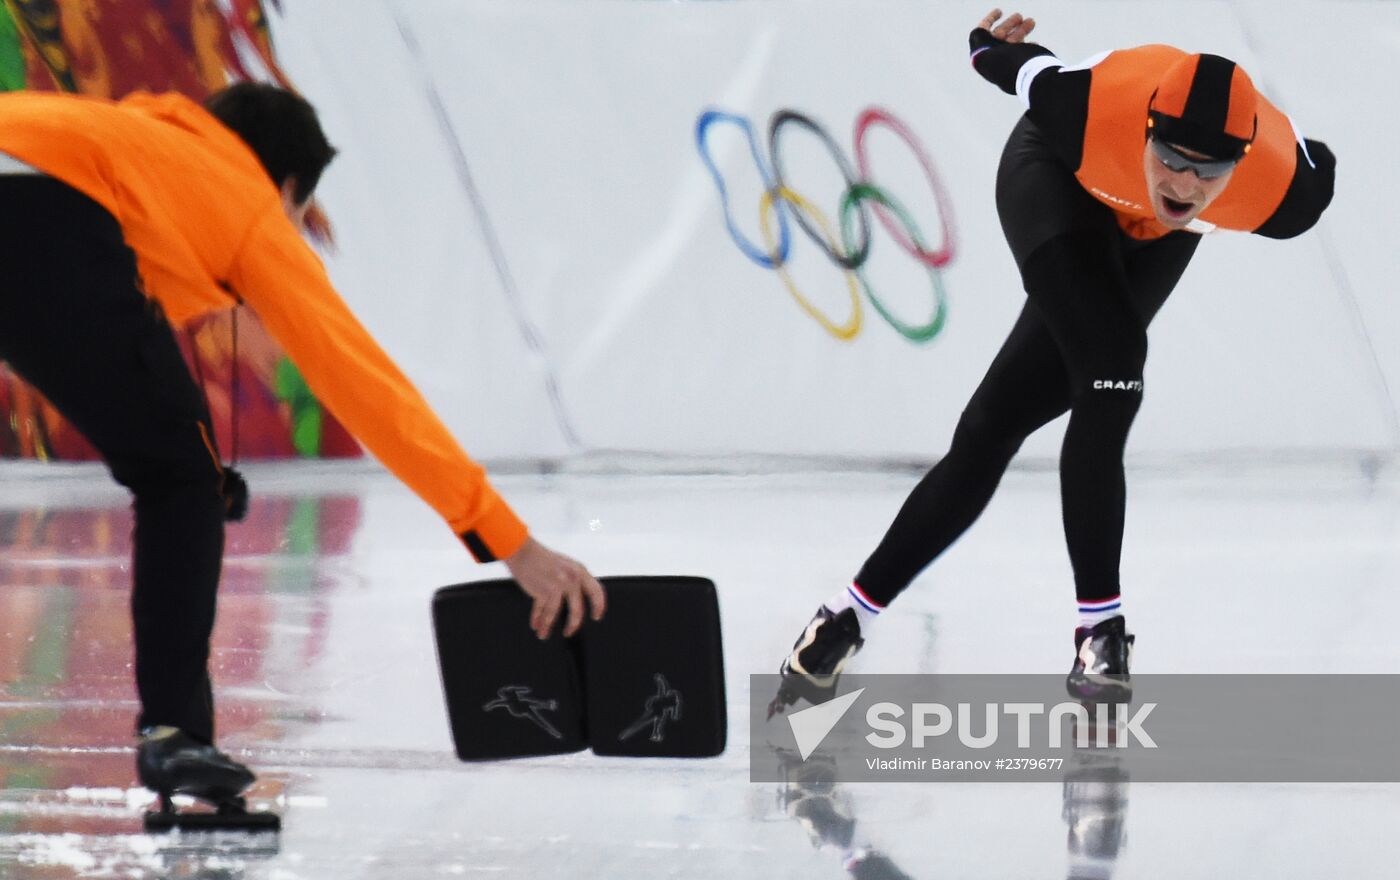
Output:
x=327 y=682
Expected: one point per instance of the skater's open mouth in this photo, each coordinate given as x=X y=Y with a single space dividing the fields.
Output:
x=1175 y=208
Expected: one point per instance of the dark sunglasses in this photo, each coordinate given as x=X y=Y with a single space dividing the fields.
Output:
x=1206 y=169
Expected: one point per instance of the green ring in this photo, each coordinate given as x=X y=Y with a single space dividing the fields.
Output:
x=912 y=332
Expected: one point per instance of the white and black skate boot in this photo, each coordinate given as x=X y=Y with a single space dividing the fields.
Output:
x=1102 y=656
x=170 y=762
x=818 y=656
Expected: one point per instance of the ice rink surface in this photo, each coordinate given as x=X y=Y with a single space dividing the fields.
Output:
x=327 y=683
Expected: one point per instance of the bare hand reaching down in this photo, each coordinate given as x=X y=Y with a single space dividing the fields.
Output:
x=555 y=581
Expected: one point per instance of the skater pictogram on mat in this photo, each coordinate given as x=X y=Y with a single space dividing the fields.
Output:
x=516 y=700
x=667 y=701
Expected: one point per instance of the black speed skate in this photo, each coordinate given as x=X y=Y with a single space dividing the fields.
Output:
x=171 y=762
x=1100 y=673
x=812 y=669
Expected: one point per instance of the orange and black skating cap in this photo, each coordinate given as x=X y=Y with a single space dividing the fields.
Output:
x=1208 y=104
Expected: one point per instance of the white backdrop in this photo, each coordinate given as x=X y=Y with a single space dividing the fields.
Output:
x=525 y=220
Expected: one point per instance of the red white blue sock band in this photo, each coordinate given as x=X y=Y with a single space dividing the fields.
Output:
x=857 y=594
x=1099 y=606
x=1093 y=613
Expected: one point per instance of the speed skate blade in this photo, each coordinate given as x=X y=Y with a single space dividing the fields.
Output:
x=796 y=687
x=785 y=697
x=161 y=822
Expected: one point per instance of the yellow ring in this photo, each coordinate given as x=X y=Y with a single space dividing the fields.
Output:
x=845 y=332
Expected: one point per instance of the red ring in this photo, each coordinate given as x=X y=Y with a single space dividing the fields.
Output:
x=934 y=258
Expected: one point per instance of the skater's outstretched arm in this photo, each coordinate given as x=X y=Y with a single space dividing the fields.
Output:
x=1056 y=97
x=280 y=277
x=1000 y=51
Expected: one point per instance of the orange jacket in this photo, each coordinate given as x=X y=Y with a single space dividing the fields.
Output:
x=208 y=229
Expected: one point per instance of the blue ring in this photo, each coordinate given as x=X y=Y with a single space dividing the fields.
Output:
x=762 y=258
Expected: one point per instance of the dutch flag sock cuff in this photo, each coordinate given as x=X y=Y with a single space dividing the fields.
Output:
x=1094 y=612
x=854 y=597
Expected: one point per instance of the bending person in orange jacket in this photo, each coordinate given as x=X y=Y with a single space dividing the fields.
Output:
x=125 y=217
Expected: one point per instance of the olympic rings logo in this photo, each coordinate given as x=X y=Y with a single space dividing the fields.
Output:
x=852 y=249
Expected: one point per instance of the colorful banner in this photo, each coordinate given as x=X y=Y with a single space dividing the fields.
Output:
x=260 y=406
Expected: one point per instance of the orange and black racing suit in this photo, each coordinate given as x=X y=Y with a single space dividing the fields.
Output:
x=1096 y=265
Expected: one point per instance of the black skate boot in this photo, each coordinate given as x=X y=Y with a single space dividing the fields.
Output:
x=1100 y=673
x=170 y=762
x=814 y=666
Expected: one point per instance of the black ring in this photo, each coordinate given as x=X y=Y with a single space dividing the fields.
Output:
x=775 y=124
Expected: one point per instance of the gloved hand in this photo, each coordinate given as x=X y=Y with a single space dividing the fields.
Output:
x=235 y=492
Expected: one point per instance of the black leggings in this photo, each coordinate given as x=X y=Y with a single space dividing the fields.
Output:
x=1079 y=345
x=75 y=325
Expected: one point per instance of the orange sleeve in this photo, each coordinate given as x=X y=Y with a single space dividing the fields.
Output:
x=278 y=275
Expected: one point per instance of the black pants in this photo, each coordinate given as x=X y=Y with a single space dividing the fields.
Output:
x=1079 y=345
x=75 y=325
